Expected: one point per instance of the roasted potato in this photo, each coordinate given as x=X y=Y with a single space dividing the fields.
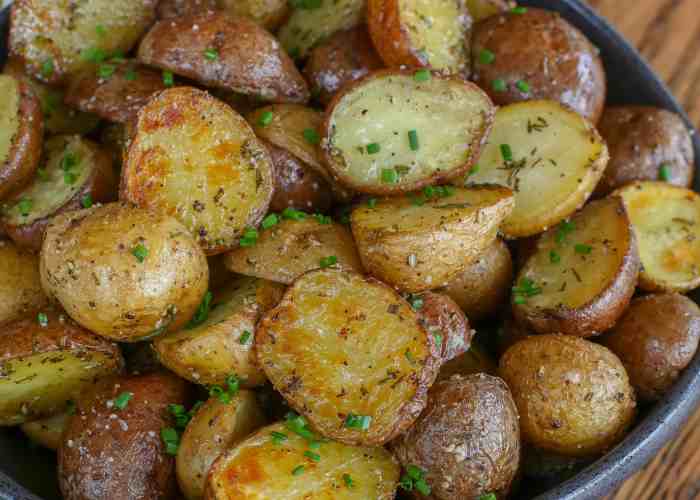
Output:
x=277 y=456
x=47 y=432
x=122 y=272
x=666 y=222
x=21 y=132
x=224 y=343
x=20 y=284
x=550 y=156
x=442 y=318
x=307 y=27
x=582 y=275
x=434 y=34
x=481 y=9
x=474 y=360
x=195 y=158
x=573 y=396
x=378 y=133
x=318 y=348
x=58 y=40
x=112 y=447
x=74 y=174
x=421 y=245
x=114 y=139
x=646 y=144
x=45 y=361
x=267 y=13
x=483 y=286
x=466 y=440
x=224 y=51
x=345 y=57
x=538 y=55
x=655 y=340
x=117 y=92
x=214 y=428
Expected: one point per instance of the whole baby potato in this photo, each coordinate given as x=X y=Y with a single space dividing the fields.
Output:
x=123 y=272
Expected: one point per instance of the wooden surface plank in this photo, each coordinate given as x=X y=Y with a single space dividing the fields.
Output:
x=667 y=32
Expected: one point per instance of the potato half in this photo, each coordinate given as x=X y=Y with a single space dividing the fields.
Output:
x=47 y=360
x=666 y=221
x=20 y=284
x=421 y=246
x=319 y=349
x=282 y=469
x=196 y=159
x=224 y=344
x=379 y=132
x=582 y=275
x=549 y=155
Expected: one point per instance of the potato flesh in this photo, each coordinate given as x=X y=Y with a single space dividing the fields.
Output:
x=9 y=119
x=558 y=157
x=444 y=115
x=20 y=284
x=481 y=9
x=260 y=469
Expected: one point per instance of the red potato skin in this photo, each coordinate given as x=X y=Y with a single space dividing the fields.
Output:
x=250 y=60
x=344 y=57
x=441 y=315
x=25 y=151
x=539 y=47
x=118 y=454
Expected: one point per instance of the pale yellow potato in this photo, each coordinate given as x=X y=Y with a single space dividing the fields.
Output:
x=260 y=469
x=47 y=432
x=481 y=9
x=417 y=247
x=20 y=284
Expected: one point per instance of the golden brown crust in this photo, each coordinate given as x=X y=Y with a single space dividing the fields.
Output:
x=248 y=59
x=542 y=49
x=442 y=318
x=270 y=14
x=20 y=284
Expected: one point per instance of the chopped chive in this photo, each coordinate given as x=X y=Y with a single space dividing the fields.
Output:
x=563 y=231
x=249 y=238
x=554 y=257
x=389 y=176
x=311 y=136
x=233 y=384
x=140 y=252
x=298 y=470
x=373 y=148
x=94 y=55
x=168 y=78
x=47 y=68
x=422 y=75
x=69 y=177
x=409 y=356
x=519 y=299
x=293 y=214
x=123 y=399
x=43 y=319
x=323 y=219
x=265 y=118
x=413 y=140
x=416 y=302
x=371 y=202
x=315 y=445
x=202 y=312
x=519 y=10
x=278 y=437
x=347 y=479
x=525 y=289
x=100 y=30
x=312 y=456
x=68 y=161
x=438 y=340
x=473 y=170
x=361 y=422
x=297 y=424
x=582 y=248
x=499 y=85
x=211 y=54
x=523 y=86
x=414 y=478
x=506 y=152
x=486 y=56
x=269 y=221
x=422 y=487
x=130 y=75
x=488 y=496
x=25 y=206
x=328 y=261
x=171 y=439
x=245 y=337
x=665 y=172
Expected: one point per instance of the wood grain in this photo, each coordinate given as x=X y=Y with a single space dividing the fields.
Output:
x=667 y=32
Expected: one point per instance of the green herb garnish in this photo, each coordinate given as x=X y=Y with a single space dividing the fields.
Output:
x=373 y=148
x=422 y=75
x=361 y=422
x=486 y=56
x=499 y=85
x=311 y=136
x=328 y=261
x=265 y=118
x=202 y=312
x=211 y=54
x=140 y=252
x=43 y=319
x=123 y=399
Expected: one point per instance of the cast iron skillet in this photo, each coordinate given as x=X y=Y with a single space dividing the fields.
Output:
x=29 y=472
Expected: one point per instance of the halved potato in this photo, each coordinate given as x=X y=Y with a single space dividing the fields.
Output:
x=229 y=52
x=196 y=159
x=291 y=248
x=582 y=275
x=379 y=133
x=666 y=221
x=549 y=155
x=224 y=344
x=47 y=432
x=319 y=347
x=215 y=428
x=59 y=39
x=307 y=27
x=20 y=283
x=264 y=466
x=75 y=174
x=421 y=33
x=21 y=132
x=421 y=246
x=267 y=13
x=47 y=360
x=481 y=9
x=442 y=318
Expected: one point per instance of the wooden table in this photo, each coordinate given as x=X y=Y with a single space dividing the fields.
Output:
x=668 y=34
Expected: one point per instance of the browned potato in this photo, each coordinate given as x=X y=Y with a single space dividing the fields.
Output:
x=573 y=396
x=47 y=432
x=123 y=272
x=582 y=275
x=318 y=348
x=74 y=174
x=293 y=247
x=474 y=360
x=57 y=40
x=481 y=9
x=666 y=222
x=483 y=286
x=538 y=55
x=112 y=447
x=442 y=318
x=421 y=245
x=224 y=51
x=645 y=144
x=114 y=138
x=432 y=34
x=215 y=428
x=346 y=56
x=224 y=343
x=118 y=96
x=267 y=13
x=278 y=457
x=20 y=284
x=378 y=133
x=195 y=158
x=466 y=440
x=655 y=340
x=21 y=132
x=47 y=360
